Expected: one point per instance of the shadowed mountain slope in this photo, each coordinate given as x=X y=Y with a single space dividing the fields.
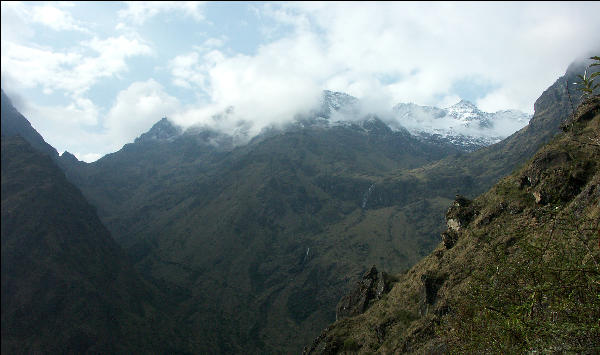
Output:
x=13 y=124
x=66 y=285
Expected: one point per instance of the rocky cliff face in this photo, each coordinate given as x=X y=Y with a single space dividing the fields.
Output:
x=517 y=270
x=370 y=288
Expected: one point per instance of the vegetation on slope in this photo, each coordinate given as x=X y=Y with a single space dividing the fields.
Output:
x=518 y=272
x=262 y=238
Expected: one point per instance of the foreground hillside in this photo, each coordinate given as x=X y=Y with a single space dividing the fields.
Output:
x=518 y=269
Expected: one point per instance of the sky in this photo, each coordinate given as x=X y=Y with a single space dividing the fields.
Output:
x=92 y=76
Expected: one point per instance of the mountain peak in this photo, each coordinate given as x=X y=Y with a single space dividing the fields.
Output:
x=464 y=107
x=15 y=124
x=163 y=130
x=333 y=101
x=465 y=103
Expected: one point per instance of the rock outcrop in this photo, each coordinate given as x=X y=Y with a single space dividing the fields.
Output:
x=459 y=215
x=556 y=176
x=372 y=286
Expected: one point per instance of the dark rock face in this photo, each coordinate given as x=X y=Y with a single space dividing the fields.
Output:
x=449 y=238
x=432 y=284
x=459 y=215
x=547 y=161
x=371 y=287
x=585 y=112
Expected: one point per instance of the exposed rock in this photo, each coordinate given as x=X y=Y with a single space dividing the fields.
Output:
x=585 y=112
x=459 y=215
x=431 y=285
x=371 y=287
x=449 y=238
x=544 y=162
x=492 y=214
x=162 y=130
x=323 y=344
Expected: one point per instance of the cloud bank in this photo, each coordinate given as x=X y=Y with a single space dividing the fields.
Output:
x=499 y=55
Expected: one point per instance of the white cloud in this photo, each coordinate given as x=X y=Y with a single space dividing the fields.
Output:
x=72 y=71
x=136 y=109
x=425 y=49
x=268 y=88
x=65 y=127
x=521 y=48
x=55 y=18
x=89 y=157
x=140 y=11
x=14 y=26
x=187 y=71
x=383 y=53
x=18 y=17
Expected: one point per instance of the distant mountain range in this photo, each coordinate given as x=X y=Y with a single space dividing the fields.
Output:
x=462 y=126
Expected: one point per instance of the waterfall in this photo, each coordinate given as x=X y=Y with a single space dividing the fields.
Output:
x=366 y=196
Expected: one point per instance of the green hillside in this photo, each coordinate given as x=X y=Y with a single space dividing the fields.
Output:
x=518 y=270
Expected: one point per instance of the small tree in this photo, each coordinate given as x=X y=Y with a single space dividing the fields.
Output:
x=586 y=83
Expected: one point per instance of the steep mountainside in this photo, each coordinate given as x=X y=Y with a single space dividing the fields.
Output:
x=66 y=285
x=13 y=124
x=518 y=270
x=263 y=236
x=472 y=174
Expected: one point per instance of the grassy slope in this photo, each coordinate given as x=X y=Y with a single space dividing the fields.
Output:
x=523 y=275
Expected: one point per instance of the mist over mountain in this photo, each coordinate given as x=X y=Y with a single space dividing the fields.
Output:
x=462 y=125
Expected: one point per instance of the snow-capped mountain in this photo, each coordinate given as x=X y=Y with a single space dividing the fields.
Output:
x=338 y=102
x=462 y=124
